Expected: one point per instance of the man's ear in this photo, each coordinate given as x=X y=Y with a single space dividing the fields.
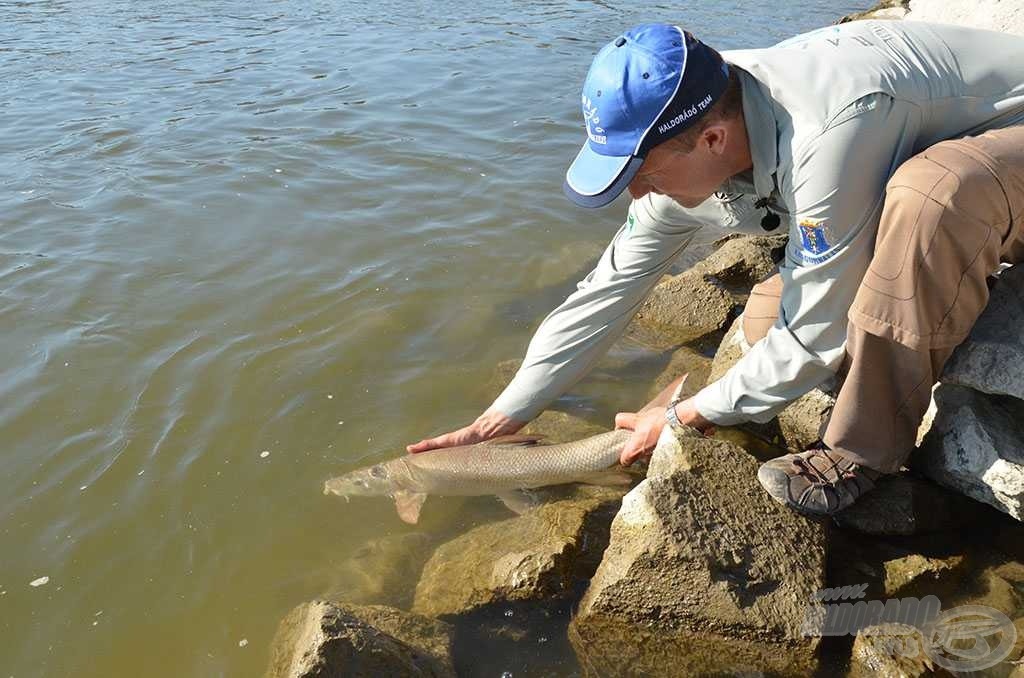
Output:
x=715 y=136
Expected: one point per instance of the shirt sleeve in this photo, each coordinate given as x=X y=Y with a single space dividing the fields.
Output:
x=577 y=333
x=835 y=193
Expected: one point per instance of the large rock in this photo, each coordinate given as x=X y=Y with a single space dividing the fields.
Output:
x=321 y=640
x=682 y=308
x=704 y=573
x=976 y=446
x=742 y=261
x=991 y=360
x=539 y=556
x=800 y=423
x=902 y=504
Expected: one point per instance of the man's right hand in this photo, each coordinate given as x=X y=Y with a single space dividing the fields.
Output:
x=490 y=424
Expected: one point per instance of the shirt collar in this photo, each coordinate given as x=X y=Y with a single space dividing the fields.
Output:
x=762 y=132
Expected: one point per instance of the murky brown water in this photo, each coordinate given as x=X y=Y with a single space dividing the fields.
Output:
x=247 y=246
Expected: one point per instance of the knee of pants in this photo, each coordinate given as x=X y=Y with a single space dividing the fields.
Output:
x=762 y=308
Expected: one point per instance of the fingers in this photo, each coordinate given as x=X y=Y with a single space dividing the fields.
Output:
x=626 y=420
x=634 y=449
x=423 y=446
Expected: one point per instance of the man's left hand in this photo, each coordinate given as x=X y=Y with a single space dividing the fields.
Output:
x=647 y=425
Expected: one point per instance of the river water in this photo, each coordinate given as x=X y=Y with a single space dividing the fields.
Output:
x=248 y=246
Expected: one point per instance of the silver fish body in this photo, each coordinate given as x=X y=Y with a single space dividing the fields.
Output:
x=493 y=467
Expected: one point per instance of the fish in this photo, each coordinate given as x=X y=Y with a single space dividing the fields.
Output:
x=503 y=466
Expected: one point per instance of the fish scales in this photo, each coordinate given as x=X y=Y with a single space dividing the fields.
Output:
x=485 y=468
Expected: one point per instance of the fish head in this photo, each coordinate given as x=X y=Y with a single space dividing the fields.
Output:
x=371 y=481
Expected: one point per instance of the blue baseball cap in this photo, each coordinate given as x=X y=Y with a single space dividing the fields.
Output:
x=645 y=87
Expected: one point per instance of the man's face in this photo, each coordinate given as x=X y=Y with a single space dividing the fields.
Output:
x=689 y=178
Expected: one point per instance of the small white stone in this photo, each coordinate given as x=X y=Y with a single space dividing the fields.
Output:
x=341 y=423
x=243 y=642
x=141 y=472
x=277 y=170
x=330 y=396
x=83 y=487
x=39 y=582
x=264 y=454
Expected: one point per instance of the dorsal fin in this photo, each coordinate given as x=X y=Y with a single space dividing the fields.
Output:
x=514 y=439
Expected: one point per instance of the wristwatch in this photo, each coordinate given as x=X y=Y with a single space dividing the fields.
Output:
x=671 y=416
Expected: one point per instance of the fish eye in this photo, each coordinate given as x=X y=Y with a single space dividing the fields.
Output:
x=377 y=471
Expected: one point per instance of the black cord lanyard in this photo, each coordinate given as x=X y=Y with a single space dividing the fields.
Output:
x=770 y=221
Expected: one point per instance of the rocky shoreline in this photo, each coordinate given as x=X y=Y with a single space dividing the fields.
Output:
x=695 y=570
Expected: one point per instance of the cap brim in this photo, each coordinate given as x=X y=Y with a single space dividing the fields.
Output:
x=594 y=180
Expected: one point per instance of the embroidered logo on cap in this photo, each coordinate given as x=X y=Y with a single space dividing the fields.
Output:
x=593 y=121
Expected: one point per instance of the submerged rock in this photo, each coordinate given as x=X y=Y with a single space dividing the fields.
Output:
x=382 y=571
x=540 y=556
x=559 y=427
x=890 y=651
x=919 y=575
x=704 y=573
x=682 y=308
x=976 y=446
x=902 y=504
x=320 y=639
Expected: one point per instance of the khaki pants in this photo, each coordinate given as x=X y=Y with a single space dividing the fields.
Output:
x=952 y=213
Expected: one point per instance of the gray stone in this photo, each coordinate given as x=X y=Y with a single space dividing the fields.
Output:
x=682 y=308
x=800 y=423
x=703 y=573
x=902 y=504
x=889 y=651
x=321 y=640
x=991 y=360
x=976 y=446
x=539 y=556
x=742 y=261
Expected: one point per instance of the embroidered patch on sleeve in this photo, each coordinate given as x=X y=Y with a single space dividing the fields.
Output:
x=812 y=235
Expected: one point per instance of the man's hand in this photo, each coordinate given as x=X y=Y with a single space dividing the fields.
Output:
x=490 y=424
x=646 y=426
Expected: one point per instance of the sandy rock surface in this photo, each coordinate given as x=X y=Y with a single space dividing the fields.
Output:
x=539 y=556
x=995 y=15
x=703 y=572
x=321 y=640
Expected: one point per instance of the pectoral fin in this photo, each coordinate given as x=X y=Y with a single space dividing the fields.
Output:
x=518 y=501
x=408 y=505
x=612 y=476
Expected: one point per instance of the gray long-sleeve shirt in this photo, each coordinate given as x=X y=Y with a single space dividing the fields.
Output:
x=830 y=116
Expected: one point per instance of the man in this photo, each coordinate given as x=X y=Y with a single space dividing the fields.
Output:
x=891 y=152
